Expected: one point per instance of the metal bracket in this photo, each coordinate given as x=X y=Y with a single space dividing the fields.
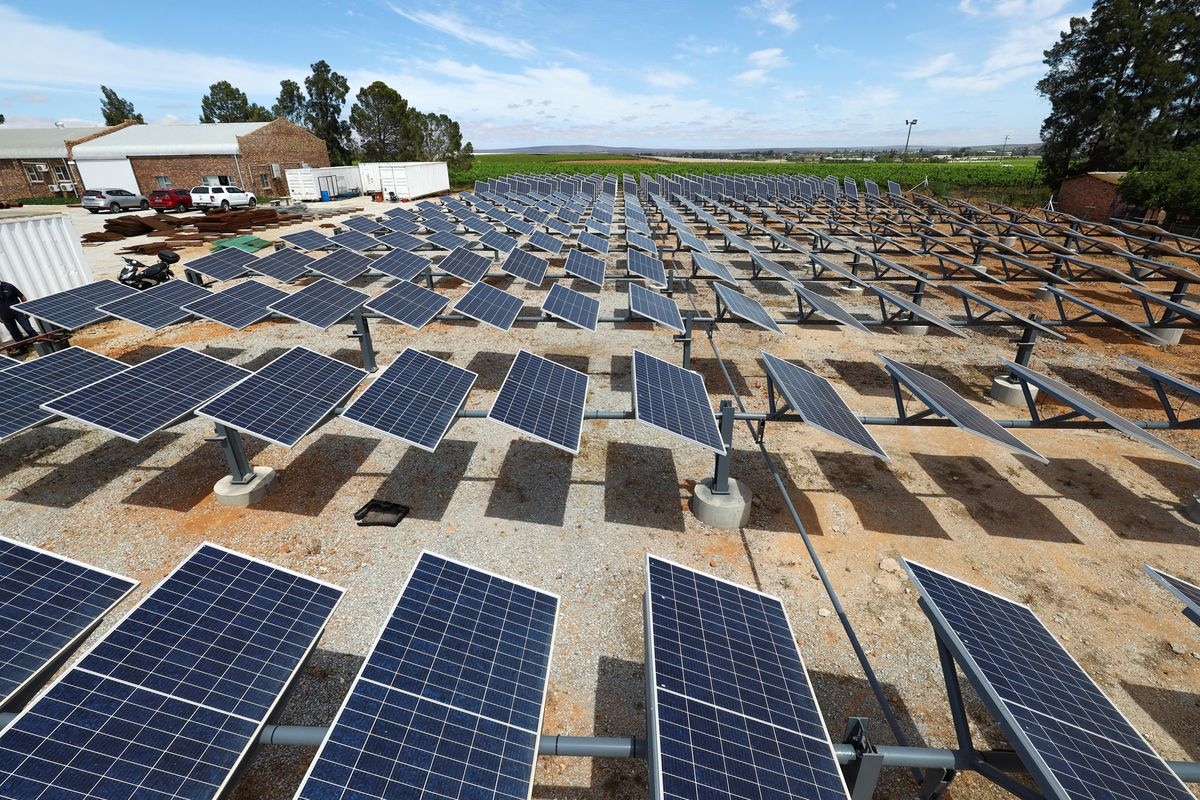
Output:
x=862 y=774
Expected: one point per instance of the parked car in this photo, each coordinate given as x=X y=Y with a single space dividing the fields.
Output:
x=225 y=197
x=163 y=200
x=115 y=200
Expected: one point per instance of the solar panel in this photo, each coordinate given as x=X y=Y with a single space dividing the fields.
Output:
x=402 y=240
x=945 y=401
x=544 y=241
x=733 y=713
x=645 y=266
x=149 y=396
x=478 y=225
x=573 y=307
x=1189 y=593
x=446 y=240
x=600 y=228
x=559 y=226
x=408 y=303
x=543 y=399
x=341 y=265
x=158 y=306
x=829 y=308
x=287 y=398
x=438 y=224
x=398 y=225
x=498 y=241
x=24 y=387
x=593 y=242
x=1091 y=409
x=74 y=308
x=465 y=265
x=238 y=306
x=995 y=307
x=689 y=239
x=414 y=399
x=459 y=674
x=170 y=701
x=526 y=266
x=674 y=400
x=708 y=264
x=48 y=604
x=284 y=265
x=919 y=311
x=308 y=240
x=655 y=306
x=400 y=213
x=819 y=404
x=356 y=241
x=488 y=304
x=321 y=303
x=748 y=309
x=366 y=225
x=589 y=268
x=7 y=361
x=224 y=265
x=635 y=239
x=519 y=226
x=401 y=264
x=1070 y=736
x=778 y=270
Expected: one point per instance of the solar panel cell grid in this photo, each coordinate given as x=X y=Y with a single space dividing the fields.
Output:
x=647 y=267
x=341 y=265
x=401 y=265
x=26 y=386
x=748 y=309
x=498 y=241
x=490 y=305
x=447 y=241
x=223 y=265
x=158 y=306
x=543 y=399
x=593 y=242
x=571 y=306
x=465 y=265
x=409 y=304
x=655 y=306
x=308 y=240
x=402 y=240
x=283 y=265
x=238 y=306
x=356 y=241
x=75 y=308
x=674 y=400
x=321 y=304
x=589 y=268
x=544 y=241
x=526 y=266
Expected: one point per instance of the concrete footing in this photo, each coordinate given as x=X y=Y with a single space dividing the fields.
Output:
x=1167 y=335
x=851 y=289
x=1007 y=391
x=1043 y=294
x=240 y=495
x=726 y=511
x=1191 y=509
x=911 y=330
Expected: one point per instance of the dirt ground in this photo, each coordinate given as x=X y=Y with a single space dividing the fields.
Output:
x=1069 y=537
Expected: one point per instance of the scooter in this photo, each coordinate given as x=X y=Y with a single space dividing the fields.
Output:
x=140 y=276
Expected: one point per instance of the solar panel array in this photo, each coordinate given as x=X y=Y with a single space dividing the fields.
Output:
x=465 y=265
x=674 y=400
x=543 y=399
x=589 y=268
x=490 y=305
x=158 y=306
x=647 y=267
x=655 y=306
x=544 y=241
x=449 y=702
x=25 y=387
x=341 y=265
x=321 y=303
x=284 y=265
x=571 y=306
x=401 y=264
x=1069 y=734
x=224 y=265
x=409 y=304
x=239 y=306
x=74 y=308
x=733 y=714
x=48 y=603
x=526 y=266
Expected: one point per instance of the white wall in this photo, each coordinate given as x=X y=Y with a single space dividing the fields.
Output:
x=107 y=173
x=40 y=254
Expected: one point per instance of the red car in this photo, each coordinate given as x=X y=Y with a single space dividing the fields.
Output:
x=163 y=200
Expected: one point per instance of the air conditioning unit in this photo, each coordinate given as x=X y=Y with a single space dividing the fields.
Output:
x=43 y=168
x=275 y=171
x=66 y=188
x=53 y=187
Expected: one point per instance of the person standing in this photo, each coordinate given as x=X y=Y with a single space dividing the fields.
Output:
x=10 y=295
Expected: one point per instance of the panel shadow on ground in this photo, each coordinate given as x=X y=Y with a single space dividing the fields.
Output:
x=641 y=487
x=881 y=501
x=532 y=485
x=426 y=482
x=317 y=475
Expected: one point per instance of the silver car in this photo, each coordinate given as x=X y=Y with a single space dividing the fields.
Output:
x=115 y=200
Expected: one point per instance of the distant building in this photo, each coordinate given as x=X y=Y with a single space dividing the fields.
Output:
x=36 y=162
x=1095 y=197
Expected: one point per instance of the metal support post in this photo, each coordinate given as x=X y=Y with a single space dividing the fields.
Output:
x=685 y=339
x=861 y=774
x=721 y=472
x=240 y=471
x=362 y=332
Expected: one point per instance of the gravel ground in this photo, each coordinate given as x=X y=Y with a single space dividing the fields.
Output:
x=1068 y=538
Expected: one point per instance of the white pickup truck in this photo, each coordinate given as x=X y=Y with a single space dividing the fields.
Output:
x=225 y=197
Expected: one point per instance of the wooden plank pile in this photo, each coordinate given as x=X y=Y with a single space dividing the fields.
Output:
x=188 y=231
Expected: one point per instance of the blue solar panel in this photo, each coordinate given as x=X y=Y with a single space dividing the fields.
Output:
x=287 y=398
x=525 y=265
x=238 y=306
x=593 y=242
x=1188 y=593
x=438 y=224
x=488 y=304
x=636 y=239
x=478 y=225
x=408 y=303
x=1068 y=733
x=748 y=309
x=74 y=308
x=24 y=387
x=544 y=241
x=674 y=400
x=498 y=241
x=356 y=241
x=543 y=399
x=158 y=306
x=518 y=225
x=559 y=227
x=655 y=306
x=414 y=399
x=708 y=264
x=284 y=265
x=459 y=674
x=308 y=240
x=48 y=603
x=400 y=264
x=321 y=303
x=571 y=306
x=589 y=268
x=400 y=213
x=599 y=228
x=447 y=241
x=178 y=380
x=465 y=265
x=734 y=713
x=341 y=265
x=398 y=225
x=224 y=265
x=602 y=216
x=402 y=240
x=364 y=224
x=689 y=239
x=647 y=267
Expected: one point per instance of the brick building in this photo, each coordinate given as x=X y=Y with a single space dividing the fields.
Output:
x=252 y=155
x=1095 y=197
x=36 y=162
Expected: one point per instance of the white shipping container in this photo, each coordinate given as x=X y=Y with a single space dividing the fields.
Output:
x=40 y=253
x=405 y=179
x=307 y=183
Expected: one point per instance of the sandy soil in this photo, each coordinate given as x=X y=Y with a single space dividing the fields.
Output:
x=1068 y=538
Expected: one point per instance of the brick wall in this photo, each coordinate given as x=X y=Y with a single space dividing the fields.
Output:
x=280 y=142
x=1086 y=197
x=15 y=183
x=184 y=172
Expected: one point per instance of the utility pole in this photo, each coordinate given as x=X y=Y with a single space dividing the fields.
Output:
x=1004 y=147
x=909 y=123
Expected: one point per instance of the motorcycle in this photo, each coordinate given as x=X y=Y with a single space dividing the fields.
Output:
x=140 y=276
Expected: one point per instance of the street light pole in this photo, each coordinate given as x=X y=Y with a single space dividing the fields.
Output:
x=909 y=123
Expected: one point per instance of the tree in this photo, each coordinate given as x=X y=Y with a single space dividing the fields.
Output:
x=441 y=140
x=291 y=104
x=1168 y=182
x=227 y=103
x=323 y=111
x=1123 y=84
x=384 y=124
x=117 y=109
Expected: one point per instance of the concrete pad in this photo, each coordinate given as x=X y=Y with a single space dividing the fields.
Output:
x=1007 y=391
x=911 y=330
x=245 y=494
x=725 y=511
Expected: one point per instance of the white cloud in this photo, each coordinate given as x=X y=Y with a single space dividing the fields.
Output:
x=770 y=58
x=459 y=29
x=934 y=66
x=698 y=47
x=668 y=79
x=752 y=76
x=774 y=12
x=36 y=121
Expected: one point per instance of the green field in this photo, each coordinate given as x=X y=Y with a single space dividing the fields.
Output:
x=1015 y=181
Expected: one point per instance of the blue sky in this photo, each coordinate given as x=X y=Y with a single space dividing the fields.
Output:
x=656 y=73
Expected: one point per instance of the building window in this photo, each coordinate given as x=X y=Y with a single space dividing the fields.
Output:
x=264 y=181
x=161 y=181
x=31 y=172
x=60 y=173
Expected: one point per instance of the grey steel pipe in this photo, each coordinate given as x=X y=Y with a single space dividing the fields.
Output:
x=592 y=746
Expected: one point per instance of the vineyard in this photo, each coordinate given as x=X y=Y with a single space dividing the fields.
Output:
x=1013 y=182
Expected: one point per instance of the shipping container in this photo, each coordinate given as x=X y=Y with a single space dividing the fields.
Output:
x=307 y=183
x=40 y=253
x=405 y=180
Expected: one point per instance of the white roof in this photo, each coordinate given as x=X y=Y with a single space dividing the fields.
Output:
x=212 y=138
x=38 y=142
